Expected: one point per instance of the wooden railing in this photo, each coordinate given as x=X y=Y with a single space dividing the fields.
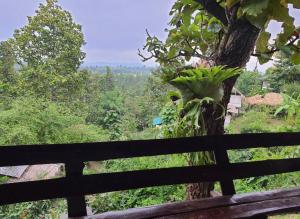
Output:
x=74 y=186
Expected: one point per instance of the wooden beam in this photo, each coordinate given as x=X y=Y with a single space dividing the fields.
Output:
x=48 y=154
x=108 y=182
x=198 y=205
x=76 y=204
x=257 y=210
x=222 y=160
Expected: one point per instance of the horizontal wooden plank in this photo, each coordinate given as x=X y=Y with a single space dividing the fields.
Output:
x=196 y=205
x=45 y=154
x=100 y=183
x=249 y=210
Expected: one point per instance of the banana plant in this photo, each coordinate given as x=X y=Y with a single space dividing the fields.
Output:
x=292 y=107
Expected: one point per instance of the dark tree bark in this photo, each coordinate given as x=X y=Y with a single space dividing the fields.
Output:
x=234 y=51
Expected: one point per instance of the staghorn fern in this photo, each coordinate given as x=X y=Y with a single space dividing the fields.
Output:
x=203 y=82
x=199 y=88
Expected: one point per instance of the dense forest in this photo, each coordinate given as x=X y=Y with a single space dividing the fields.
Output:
x=48 y=97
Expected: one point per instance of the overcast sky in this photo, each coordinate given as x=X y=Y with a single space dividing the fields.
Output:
x=113 y=29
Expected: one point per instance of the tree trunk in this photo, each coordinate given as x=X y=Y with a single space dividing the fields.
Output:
x=234 y=51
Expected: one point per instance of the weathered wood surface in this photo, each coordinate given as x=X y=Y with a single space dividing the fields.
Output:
x=237 y=206
x=251 y=210
x=75 y=185
x=45 y=154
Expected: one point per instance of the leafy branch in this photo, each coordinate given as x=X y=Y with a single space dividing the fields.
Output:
x=292 y=42
x=215 y=9
x=161 y=52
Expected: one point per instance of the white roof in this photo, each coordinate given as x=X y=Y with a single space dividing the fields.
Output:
x=15 y=172
x=236 y=101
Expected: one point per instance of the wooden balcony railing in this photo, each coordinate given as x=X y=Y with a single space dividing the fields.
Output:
x=74 y=186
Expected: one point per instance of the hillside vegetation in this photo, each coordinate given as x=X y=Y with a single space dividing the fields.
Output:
x=48 y=97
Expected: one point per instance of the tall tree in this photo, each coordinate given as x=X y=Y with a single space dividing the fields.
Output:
x=282 y=73
x=49 y=49
x=223 y=33
x=7 y=68
x=250 y=83
x=7 y=62
x=108 y=80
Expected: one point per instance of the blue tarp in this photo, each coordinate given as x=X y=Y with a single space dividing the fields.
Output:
x=157 y=121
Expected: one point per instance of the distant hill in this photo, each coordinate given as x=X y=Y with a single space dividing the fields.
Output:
x=118 y=68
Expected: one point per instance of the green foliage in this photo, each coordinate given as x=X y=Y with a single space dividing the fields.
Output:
x=41 y=209
x=32 y=121
x=121 y=69
x=249 y=83
x=107 y=113
x=49 y=100
x=8 y=76
x=3 y=179
x=49 y=49
x=199 y=88
x=148 y=133
x=169 y=114
x=7 y=62
x=262 y=121
x=139 y=197
x=202 y=82
x=253 y=122
x=291 y=107
x=108 y=81
x=265 y=183
x=51 y=38
x=195 y=32
x=192 y=33
x=260 y=13
x=291 y=89
x=284 y=72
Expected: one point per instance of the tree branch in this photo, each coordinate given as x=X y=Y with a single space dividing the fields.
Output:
x=212 y=7
x=181 y=53
x=273 y=50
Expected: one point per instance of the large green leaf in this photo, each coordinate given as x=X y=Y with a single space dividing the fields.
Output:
x=282 y=38
x=254 y=7
x=186 y=15
x=263 y=42
x=230 y=3
x=203 y=82
x=172 y=52
x=264 y=58
x=279 y=11
x=259 y=21
x=296 y=3
x=296 y=58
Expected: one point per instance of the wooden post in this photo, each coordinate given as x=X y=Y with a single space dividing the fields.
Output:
x=222 y=161
x=76 y=204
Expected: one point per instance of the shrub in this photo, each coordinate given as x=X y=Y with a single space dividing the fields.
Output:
x=251 y=122
x=291 y=89
x=139 y=197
